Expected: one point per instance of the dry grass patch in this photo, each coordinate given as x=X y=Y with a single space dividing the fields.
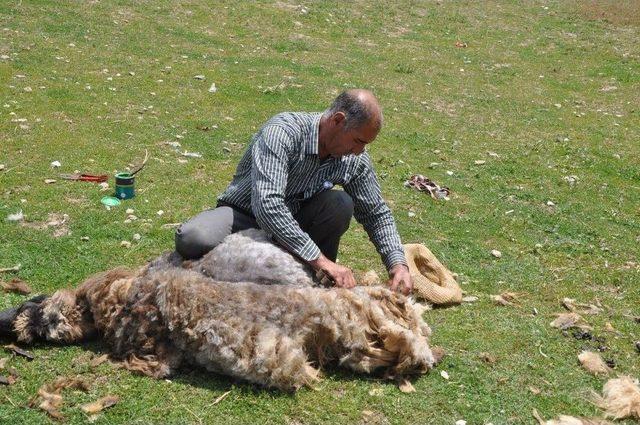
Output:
x=620 y=12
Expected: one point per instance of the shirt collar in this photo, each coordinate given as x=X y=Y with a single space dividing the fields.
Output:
x=311 y=138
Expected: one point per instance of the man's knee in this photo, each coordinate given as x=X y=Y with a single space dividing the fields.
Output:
x=203 y=232
x=340 y=207
x=191 y=241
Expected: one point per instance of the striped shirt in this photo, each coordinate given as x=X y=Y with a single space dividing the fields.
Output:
x=281 y=169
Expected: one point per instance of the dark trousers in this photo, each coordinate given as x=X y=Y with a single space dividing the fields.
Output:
x=324 y=217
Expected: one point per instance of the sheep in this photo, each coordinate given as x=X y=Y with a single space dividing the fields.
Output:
x=276 y=331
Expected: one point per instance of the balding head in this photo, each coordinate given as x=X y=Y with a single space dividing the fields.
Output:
x=359 y=106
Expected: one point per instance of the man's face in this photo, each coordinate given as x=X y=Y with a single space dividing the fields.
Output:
x=351 y=141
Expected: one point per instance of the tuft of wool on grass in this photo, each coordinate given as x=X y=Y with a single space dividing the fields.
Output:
x=572 y=420
x=569 y=320
x=569 y=420
x=593 y=363
x=620 y=398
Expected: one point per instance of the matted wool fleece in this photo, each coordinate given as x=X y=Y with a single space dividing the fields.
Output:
x=160 y=316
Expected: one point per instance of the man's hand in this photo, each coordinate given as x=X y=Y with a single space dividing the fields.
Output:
x=341 y=275
x=400 y=279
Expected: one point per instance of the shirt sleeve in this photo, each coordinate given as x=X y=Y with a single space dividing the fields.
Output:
x=269 y=174
x=372 y=212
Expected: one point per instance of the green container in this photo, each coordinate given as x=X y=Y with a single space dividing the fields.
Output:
x=125 y=186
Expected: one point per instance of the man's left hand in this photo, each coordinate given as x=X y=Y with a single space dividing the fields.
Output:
x=400 y=279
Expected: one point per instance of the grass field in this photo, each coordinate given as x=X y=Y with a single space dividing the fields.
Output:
x=547 y=93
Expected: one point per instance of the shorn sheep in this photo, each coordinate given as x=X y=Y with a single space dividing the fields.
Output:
x=271 y=326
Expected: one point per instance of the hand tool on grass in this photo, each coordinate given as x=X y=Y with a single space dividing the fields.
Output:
x=85 y=177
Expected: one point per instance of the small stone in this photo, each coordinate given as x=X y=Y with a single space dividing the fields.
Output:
x=213 y=88
x=449 y=173
x=160 y=212
x=136 y=236
x=56 y=164
x=127 y=221
x=444 y=374
x=557 y=105
x=2 y=167
x=479 y=162
x=412 y=214
x=19 y=216
x=28 y=89
x=550 y=204
x=104 y=186
x=129 y=211
x=84 y=238
x=496 y=253
x=125 y=244
x=469 y=299
x=609 y=328
x=461 y=422
x=199 y=77
x=376 y=392
x=49 y=181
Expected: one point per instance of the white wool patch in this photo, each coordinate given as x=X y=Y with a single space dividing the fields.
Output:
x=620 y=398
x=593 y=363
x=250 y=256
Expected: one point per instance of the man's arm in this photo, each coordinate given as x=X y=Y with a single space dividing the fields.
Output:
x=269 y=173
x=375 y=216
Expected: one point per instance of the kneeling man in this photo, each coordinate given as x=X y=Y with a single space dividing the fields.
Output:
x=284 y=184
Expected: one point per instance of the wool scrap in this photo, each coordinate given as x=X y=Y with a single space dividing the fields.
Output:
x=593 y=363
x=620 y=398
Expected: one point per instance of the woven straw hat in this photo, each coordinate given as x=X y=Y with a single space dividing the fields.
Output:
x=432 y=281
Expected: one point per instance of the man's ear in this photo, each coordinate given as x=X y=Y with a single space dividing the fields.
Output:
x=338 y=119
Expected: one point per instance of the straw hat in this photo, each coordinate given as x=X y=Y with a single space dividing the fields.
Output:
x=432 y=281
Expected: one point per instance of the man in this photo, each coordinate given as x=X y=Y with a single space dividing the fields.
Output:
x=283 y=186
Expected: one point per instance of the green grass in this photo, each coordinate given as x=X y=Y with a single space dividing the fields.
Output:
x=97 y=102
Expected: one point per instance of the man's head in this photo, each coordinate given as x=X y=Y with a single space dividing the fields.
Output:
x=352 y=121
